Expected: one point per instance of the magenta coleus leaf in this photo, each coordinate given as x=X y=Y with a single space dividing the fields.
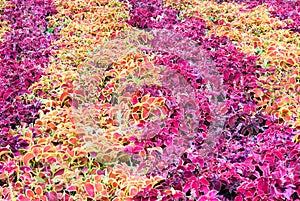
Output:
x=90 y=189
x=23 y=57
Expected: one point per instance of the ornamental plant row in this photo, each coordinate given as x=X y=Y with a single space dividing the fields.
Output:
x=179 y=118
x=24 y=56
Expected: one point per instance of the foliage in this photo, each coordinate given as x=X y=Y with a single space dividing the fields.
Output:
x=149 y=100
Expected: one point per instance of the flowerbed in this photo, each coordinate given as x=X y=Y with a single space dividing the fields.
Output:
x=149 y=100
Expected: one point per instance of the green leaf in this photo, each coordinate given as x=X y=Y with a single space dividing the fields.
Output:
x=258 y=51
x=39 y=179
x=211 y=18
x=50 y=30
x=266 y=63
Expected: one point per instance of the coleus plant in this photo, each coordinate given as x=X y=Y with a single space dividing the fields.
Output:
x=251 y=148
x=284 y=10
x=233 y=67
x=24 y=55
x=105 y=89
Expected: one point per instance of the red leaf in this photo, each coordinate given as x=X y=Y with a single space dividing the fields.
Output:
x=278 y=154
x=271 y=48
x=290 y=61
x=71 y=188
x=238 y=198
x=23 y=198
x=134 y=100
x=204 y=181
x=90 y=189
x=262 y=185
x=145 y=113
x=59 y=172
x=294 y=153
x=249 y=194
x=151 y=100
x=292 y=80
x=135 y=116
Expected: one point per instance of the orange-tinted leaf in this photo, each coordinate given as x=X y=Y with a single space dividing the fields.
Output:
x=272 y=54
x=258 y=92
x=90 y=189
x=63 y=97
x=145 y=98
x=297 y=124
x=73 y=140
x=286 y=114
x=287 y=118
x=104 y=193
x=28 y=134
x=49 y=148
x=113 y=182
x=52 y=126
x=268 y=109
x=281 y=103
x=27 y=157
x=160 y=100
x=142 y=153
x=99 y=187
x=135 y=109
x=256 y=39
x=42 y=141
x=39 y=190
x=29 y=193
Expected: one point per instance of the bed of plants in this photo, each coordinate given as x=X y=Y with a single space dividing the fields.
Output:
x=149 y=100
